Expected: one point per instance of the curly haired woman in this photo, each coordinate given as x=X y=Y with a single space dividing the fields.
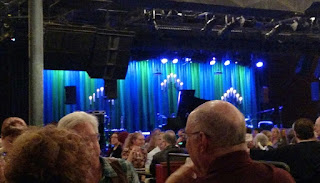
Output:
x=133 y=151
x=48 y=155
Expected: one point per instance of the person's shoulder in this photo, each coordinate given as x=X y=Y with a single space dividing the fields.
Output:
x=282 y=176
x=119 y=160
x=144 y=151
x=157 y=154
x=266 y=171
x=126 y=149
x=154 y=150
x=125 y=165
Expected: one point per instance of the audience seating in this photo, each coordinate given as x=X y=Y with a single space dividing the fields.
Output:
x=277 y=164
x=162 y=170
x=175 y=157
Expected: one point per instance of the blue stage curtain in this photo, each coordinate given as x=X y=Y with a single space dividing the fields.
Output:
x=140 y=96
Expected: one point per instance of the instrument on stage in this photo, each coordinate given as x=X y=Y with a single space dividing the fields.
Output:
x=187 y=102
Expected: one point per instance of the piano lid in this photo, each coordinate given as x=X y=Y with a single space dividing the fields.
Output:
x=187 y=102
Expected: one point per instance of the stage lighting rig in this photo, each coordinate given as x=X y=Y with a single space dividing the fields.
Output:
x=229 y=26
x=209 y=24
x=274 y=31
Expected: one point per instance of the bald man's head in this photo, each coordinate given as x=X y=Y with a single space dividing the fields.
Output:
x=221 y=121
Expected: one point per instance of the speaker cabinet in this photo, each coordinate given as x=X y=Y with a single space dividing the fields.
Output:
x=71 y=94
x=102 y=53
x=111 y=90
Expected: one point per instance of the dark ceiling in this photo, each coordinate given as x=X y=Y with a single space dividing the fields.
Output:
x=184 y=26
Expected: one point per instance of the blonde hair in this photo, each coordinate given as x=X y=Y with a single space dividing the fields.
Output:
x=130 y=139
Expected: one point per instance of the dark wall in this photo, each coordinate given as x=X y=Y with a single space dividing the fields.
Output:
x=14 y=79
x=290 y=77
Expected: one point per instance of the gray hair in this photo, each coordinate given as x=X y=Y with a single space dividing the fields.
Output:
x=73 y=119
x=262 y=138
x=222 y=122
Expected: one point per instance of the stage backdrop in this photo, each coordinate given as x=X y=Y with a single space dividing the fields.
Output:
x=141 y=98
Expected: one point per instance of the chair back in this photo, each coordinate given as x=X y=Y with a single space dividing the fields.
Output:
x=278 y=164
x=162 y=170
x=176 y=157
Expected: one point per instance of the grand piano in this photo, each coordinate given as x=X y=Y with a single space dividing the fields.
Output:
x=187 y=102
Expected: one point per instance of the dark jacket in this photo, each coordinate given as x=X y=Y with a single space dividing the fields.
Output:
x=117 y=152
x=303 y=159
x=162 y=157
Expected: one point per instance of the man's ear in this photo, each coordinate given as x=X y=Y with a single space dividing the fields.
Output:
x=204 y=142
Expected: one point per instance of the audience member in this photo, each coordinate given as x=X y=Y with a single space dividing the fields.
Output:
x=152 y=140
x=123 y=136
x=275 y=138
x=167 y=145
x=116 y=148
x=317 y=128
x=133 y=150
x=11 y=128
x=255 y=131
x=216 y=144
x=303 y=158
x=291 y=136
x=48 y=155
x=181 y=141
x=269 y=135
x=283 y=137
x=261 y=142
x=154 y=151
x=102 y=169
x=249 y=138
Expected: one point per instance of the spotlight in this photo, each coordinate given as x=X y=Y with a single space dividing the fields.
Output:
x=259 y=64
x=312 y=19
x=227 y=62
x=294 y=25
x=188 y=59
x=164 y=60
x=13 y=39
x=229 y=26
x=213 y=61
x=174 y=61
